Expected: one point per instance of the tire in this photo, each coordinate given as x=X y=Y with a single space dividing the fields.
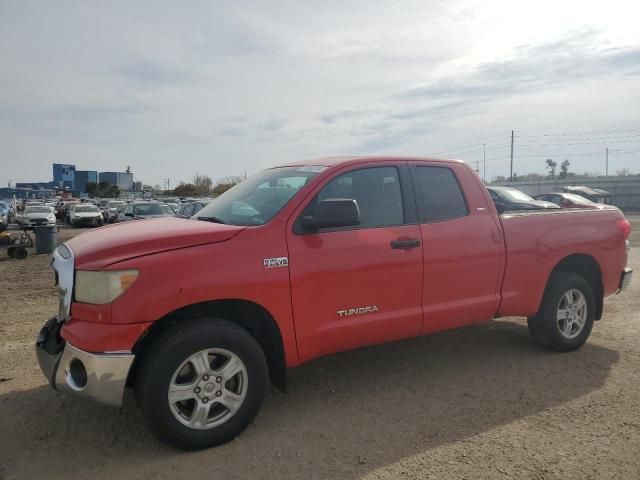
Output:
x=21 y=253
x=11 y=251
x=558 y=325
x=159 y=369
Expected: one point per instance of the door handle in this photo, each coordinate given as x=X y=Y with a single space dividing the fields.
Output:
x=405 y=244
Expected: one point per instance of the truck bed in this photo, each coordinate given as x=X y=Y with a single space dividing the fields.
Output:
x=536 y=242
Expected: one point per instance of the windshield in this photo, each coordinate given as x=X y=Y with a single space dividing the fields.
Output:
x=116 y=204
x=578 y=199
x=256 y=200
x=152 y=209
x=86 y=208
x=515 y=195
x=37 y=210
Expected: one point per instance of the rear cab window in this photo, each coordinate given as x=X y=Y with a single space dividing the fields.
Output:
x=440 y=194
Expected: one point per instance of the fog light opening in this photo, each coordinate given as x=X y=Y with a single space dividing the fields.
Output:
x=77 y=375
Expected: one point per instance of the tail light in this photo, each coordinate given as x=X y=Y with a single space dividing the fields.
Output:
x=625 y=227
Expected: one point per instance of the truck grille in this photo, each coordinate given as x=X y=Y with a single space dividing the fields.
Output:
x=63 y=265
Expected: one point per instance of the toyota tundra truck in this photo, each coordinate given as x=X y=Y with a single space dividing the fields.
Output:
x=309 y=259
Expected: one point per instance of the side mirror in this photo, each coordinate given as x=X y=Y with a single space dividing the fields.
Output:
x=333 y=213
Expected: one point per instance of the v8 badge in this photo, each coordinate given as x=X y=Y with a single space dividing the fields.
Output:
x=276 y=262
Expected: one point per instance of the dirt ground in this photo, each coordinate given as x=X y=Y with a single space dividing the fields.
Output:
x=480 y=402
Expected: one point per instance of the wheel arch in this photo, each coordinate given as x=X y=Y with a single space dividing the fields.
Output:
x=588 y=268
x=252 y=317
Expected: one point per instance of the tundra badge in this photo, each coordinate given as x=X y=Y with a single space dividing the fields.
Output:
x=357 y=311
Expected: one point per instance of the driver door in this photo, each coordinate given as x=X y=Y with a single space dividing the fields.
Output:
x=359 y=285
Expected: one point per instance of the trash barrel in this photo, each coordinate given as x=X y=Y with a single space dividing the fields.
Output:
x=46 y=238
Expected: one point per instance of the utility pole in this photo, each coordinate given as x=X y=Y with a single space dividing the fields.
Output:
x=484 y=162
x=606 y=162
x=511 y=175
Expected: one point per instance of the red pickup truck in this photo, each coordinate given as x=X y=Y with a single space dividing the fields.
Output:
x=305 y=260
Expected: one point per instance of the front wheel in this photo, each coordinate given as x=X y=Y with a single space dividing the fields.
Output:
x=201 y=383
x=566 y=315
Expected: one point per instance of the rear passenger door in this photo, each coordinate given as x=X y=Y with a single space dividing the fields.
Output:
x=462 y=247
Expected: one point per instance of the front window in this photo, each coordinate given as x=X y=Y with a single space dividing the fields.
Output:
x=37 y=210
x=577 y=199
x=516 y=195
x=86 y=209
x=153 y=209
x=256 y=200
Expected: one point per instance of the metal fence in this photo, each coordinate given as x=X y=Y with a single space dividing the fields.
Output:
x=625 y=190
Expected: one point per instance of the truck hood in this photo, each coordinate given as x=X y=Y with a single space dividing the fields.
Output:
x=98 y=248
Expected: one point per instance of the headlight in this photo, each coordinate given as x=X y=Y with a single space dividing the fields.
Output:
x=102 y=287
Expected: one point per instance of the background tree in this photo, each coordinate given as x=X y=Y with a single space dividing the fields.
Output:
x=185 y=190
x=551 y=167
x=92 y=189
x=226 y=183
x=102 y=189
x=564 y=169
x=203 y=184
x=113 y=191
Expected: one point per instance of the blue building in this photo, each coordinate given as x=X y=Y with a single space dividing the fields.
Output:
x=64 y=175
x=21 y=193
x=82 y=177
x=123 y=180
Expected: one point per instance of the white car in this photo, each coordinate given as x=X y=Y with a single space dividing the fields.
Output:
x=85 y=214
x=111 y=211
x=37 y=215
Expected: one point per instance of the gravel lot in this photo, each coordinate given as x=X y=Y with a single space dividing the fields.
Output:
x=480 y=402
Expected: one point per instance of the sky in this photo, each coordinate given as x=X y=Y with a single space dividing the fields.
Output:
x=221 y=88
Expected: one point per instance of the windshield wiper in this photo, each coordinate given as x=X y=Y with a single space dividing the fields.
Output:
x=213 y=220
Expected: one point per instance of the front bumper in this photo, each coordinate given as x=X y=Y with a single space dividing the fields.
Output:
x=87 y=220
x=101 y=376
x=625 y=279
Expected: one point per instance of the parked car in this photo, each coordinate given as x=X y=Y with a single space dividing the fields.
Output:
x=568 y=200
x=596 y=195
x=62 y=210
x=5 y=216
x=85 y=215
x=189 y=209
x=306 y=260
x=144 y=210
x=510 y=199
x=36 y=215
x=111 y=210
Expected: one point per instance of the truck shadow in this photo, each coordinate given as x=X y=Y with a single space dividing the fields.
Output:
x=343 y=416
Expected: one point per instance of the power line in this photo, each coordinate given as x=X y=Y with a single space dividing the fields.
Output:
x=603 y=142
x=580 y=133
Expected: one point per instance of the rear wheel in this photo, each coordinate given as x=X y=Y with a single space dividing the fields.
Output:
x=21 y=253
x=201 y=383
x=566 y=316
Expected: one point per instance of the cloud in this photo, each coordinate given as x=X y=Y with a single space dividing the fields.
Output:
x=532 y=68
x=229 y=85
